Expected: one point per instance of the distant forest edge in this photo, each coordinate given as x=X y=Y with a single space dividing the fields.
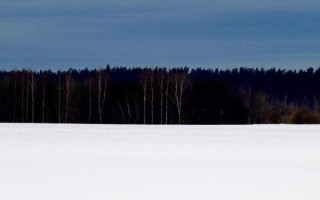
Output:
x=161 y=96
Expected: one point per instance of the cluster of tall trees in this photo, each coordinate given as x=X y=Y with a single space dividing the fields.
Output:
x=160 y=96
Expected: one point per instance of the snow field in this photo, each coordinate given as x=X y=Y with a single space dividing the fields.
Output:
x=88 y=162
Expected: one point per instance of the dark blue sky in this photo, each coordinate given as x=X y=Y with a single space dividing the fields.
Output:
x=42 y=34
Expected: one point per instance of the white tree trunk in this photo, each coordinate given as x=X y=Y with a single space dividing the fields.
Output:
x=14 y=97
x=179 y=83
x=32 y=90
x=102 y=85
x=27 y=98
x=90 y=100
x=22 y=97
x=59 y=96
x=152 y=95
x=144 y=100
x=43 y=97
x=167 y=100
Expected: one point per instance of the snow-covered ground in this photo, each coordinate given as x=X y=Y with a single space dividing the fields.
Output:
x=113 y=162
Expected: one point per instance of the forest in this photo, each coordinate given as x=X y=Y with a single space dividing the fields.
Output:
x=120 y=95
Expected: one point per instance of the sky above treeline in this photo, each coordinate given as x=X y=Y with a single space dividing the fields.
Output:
x=61 y=34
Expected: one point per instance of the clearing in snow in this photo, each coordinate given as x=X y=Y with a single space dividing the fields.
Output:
x=135 y=162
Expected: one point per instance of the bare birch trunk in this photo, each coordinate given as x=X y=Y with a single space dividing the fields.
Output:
x=67 y=96
x=315 y=102
x=144 y=100
x=137 y=110
x=14 y=96
x=161 y=95
x=59 y=96
x=32 y=90
x=22 y=97
x=152 y=95
x=43 y=97
x=122 y=113
x=178 y=87
x=128 y=110
x=90 y=100
x=102 y=84
x=167 y=100
x=177 y=97
x=27 y=98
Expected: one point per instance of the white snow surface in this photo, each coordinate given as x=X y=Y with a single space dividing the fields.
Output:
x=135 y=162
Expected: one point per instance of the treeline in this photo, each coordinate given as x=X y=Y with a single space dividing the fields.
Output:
x=160 y=96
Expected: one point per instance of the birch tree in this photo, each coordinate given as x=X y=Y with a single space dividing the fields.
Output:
x=69 y=85
x=179 y=82
x=90 y=99
x=27 y=96
x=59 y=95
x=22 y=95
x=32 y=85
x=167 y=99
x=44 y=76
x=15 y=74
x=151 y=83
x=161 y=80
x=144 y=85
x=102 y=78
x=147 y=81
